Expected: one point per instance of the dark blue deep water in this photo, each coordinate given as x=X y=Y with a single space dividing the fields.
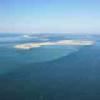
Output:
x=49 y=72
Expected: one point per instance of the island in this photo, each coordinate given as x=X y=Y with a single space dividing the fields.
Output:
x=61 y=42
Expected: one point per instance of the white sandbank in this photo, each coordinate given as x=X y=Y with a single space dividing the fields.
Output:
x=61 y=42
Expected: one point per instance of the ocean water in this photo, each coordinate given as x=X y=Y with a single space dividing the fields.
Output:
x=49 y=72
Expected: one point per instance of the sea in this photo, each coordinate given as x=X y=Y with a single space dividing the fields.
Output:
x=49 y=72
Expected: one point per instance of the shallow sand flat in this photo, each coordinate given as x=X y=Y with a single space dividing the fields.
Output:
x=61 y=42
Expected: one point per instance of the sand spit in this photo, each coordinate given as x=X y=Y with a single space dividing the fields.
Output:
x=61 y=42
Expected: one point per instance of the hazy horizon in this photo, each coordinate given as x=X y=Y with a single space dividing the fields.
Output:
x=30 y=33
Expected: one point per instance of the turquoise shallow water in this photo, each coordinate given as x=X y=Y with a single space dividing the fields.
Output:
x=11 y=58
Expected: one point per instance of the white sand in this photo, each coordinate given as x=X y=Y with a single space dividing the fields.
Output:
x=61 y=42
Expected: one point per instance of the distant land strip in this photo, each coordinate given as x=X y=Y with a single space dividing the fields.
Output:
x=61 y=42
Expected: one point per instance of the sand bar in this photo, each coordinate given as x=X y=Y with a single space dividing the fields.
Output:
x=61 y=42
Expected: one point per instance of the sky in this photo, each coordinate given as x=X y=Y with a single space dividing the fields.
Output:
x=50 y=16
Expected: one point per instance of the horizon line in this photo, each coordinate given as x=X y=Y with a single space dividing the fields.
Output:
x=49 y=33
